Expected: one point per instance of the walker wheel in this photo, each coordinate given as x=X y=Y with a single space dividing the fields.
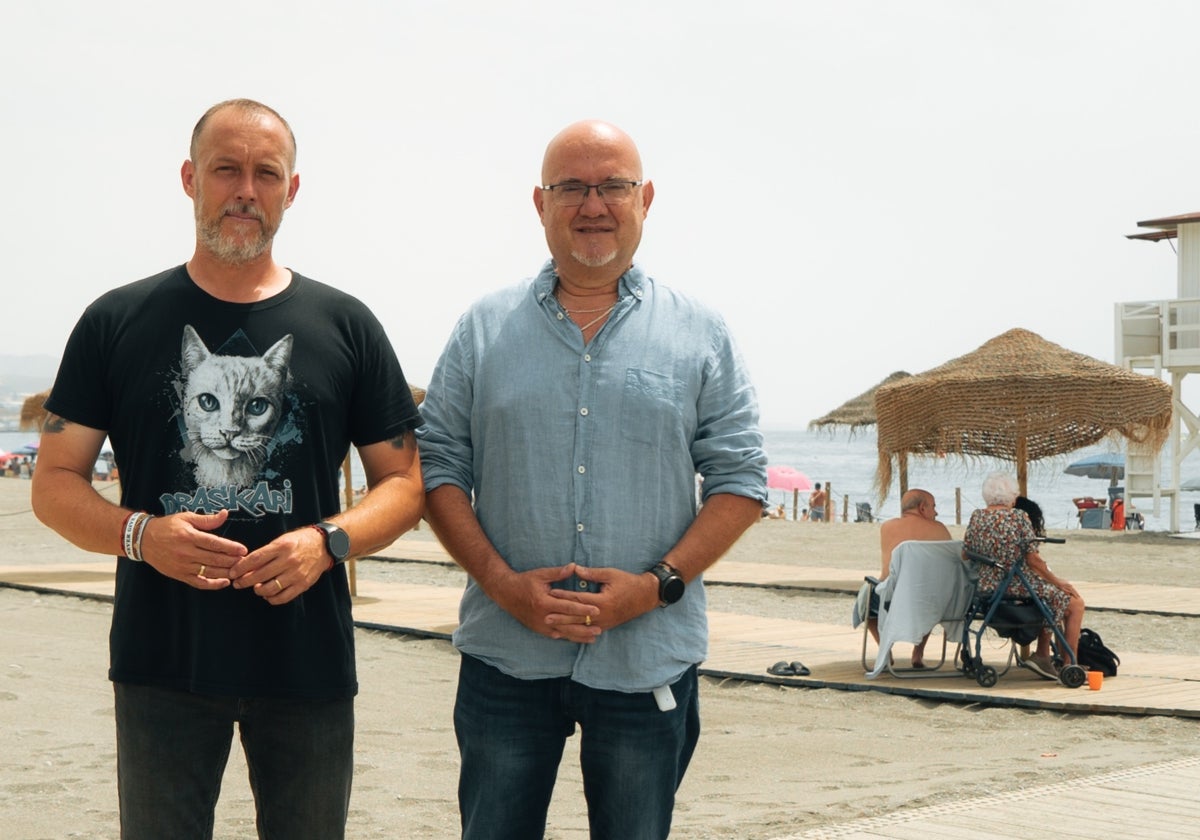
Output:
x=1072 y=676
x=986 y=676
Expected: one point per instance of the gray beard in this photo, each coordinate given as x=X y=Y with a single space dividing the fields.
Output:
x=228 y=250
x=594 y=262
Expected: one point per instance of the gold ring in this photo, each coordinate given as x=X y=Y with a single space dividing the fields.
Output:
x=201 y=572
x=280 y=585
x=587 y=621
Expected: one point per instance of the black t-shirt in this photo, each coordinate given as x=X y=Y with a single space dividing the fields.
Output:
x=250 y=407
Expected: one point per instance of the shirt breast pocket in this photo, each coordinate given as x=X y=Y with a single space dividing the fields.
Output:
x=651 y=411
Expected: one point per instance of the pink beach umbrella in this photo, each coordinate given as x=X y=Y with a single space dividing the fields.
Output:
x=787 y=478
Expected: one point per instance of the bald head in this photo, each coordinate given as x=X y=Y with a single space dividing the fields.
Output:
x=914 y=499
x=590 y=140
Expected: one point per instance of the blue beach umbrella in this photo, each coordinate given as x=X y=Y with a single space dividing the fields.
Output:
x=1110 y=465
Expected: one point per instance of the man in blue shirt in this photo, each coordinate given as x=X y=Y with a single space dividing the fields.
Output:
x=565 y=425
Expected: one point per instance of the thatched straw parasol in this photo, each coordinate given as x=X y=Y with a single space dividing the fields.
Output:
x=33 y=412
x=858 y=412
x=1018 y=398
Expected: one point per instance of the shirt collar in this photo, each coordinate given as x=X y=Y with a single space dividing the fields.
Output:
x=633 y=282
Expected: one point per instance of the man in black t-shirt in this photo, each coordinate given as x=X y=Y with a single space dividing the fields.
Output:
x=231 y=389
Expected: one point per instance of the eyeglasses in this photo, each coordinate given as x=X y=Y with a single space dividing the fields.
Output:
x=573 y=194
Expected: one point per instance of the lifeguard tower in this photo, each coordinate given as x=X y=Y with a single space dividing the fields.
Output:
x=1164 y=335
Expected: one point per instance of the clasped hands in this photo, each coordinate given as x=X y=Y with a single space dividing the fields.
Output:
x=183 y=546
x=574 y=615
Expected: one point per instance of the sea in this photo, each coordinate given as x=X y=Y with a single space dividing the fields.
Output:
x=848 y=463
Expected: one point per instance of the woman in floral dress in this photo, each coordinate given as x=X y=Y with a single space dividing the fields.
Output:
x=1001 y=532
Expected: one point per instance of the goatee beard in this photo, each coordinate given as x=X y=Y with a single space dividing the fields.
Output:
x=598 y=261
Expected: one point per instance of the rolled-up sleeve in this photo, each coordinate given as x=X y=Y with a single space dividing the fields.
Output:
x=444 y=439
x=728 y=447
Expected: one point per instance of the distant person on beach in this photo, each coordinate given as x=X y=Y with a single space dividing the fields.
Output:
x=917 y=521
x=1118 y=514
x=1002 y=531
x=575 y=410
x=816 y=503
x=232 y=389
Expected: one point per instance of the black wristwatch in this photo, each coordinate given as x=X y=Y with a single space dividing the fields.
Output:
x=337 y=541
x=670 y=584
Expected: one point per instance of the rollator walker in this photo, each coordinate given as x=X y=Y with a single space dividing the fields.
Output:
x=1019 y=620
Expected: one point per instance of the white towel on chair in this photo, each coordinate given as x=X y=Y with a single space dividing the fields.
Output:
x=928 y=583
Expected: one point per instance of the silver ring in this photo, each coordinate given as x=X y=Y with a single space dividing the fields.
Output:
x=280 y=585
x=201 y=572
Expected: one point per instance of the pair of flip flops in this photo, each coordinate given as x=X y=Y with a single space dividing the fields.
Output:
x=789 y=669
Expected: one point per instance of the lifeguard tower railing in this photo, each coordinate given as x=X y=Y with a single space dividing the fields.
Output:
x=1162 y=335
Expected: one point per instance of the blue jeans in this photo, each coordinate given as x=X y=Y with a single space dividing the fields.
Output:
x=511 y=734
x=172 y=747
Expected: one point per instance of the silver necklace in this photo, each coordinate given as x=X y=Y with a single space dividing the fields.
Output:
x=603 y=310
x=598 y=318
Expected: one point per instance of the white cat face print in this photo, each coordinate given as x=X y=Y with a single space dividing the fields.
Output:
x=232 y=407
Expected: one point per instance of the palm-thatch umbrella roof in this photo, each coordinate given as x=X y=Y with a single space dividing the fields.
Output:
x=33 y=412
x=1018 y=398
x=859 y=411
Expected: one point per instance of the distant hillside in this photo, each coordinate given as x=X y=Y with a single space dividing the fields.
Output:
x=26 y=374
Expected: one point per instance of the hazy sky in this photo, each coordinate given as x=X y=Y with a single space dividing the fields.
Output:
x=859 y=187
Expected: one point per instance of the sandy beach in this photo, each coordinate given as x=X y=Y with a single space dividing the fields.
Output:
x=773 y=761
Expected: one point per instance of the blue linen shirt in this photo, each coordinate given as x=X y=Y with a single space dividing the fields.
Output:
x=589 y=454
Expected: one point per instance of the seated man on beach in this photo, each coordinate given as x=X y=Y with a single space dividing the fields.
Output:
x=917 y=521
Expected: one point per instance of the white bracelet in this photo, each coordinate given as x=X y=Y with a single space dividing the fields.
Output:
x=127 y=538
x=137 y=538
x=132 y=539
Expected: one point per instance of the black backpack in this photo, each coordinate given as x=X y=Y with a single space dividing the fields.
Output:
x=1095 y=655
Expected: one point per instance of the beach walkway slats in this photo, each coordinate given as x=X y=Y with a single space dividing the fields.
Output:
x=743 y=647
x=1148 y=802
x=1115 y=597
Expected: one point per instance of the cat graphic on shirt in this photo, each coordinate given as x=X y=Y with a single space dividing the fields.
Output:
x=232 y=406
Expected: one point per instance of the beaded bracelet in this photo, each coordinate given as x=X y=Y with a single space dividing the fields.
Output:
x=124 y=529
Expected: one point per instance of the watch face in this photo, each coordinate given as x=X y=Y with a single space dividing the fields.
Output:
x=671 y=589
x=337 y=540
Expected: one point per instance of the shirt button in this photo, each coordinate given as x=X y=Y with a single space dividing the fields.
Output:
x=583 y=411
x=560 y=316
x=587 y=357
x=579 y=527
x=581 y=469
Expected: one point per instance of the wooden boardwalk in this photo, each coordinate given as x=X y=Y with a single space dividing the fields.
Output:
x=1152 y=802
x=1101 y=597
x=743 y=647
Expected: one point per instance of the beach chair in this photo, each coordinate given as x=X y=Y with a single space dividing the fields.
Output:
x=862 y=512
x=928 y=584
x=1017 y=620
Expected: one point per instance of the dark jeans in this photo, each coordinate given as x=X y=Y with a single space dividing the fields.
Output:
x=172 y=747
x=511 y=734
